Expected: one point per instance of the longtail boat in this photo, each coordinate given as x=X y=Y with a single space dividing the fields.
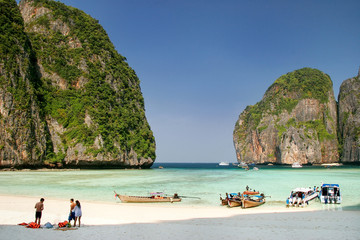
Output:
x=153 y=198
x=235 y=202
x=231 y=200
x=243 y=200
x=251 y=202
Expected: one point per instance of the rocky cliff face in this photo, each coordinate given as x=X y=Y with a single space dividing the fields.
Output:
x=91 y=110
x=23 y=134
x=349 y=120
x=294 y=122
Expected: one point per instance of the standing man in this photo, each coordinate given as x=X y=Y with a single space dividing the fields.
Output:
x=72 y=210
x=39 y=207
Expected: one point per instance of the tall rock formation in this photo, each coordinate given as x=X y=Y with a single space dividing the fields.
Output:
x=22 y=131
x=294 y=122
x=79 y=101
x=349 y=120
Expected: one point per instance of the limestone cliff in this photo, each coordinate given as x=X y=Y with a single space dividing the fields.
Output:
x=22 y=131
x=349 y=120
x=82 y=104
x=294 y=122
x=93 y=101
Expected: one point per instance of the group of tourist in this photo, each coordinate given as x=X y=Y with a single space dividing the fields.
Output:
x=75 y=211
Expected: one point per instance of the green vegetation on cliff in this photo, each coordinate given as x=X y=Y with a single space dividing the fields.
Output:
x=95 y=80
x=294 y=121
x=22 y=139
x=283 y=95
x=14 y=43
x=12 y=37
x=286 y=91
x=306 y=83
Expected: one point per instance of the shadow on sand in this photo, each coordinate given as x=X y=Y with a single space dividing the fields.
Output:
x=290 y=225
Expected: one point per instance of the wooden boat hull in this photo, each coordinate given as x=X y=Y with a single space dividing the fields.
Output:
x=253 y=203
x=234 y=203
x=223 y=201
x=140 y=199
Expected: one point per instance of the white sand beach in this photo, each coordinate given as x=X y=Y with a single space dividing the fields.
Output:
x=174 y=221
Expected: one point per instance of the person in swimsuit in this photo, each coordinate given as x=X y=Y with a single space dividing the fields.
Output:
x=78 y=212
x=38 y=212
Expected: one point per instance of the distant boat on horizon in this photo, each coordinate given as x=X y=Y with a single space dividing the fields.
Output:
x=242 y=164
x=223 y=164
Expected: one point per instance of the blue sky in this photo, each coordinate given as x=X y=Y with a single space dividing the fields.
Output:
x=201 y=62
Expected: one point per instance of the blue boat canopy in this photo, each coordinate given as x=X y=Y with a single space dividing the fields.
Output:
x=330 y=185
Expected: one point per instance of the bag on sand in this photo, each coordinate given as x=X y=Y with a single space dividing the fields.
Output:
x=48 y=225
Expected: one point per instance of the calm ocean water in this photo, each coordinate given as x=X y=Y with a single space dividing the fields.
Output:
x=204 y=180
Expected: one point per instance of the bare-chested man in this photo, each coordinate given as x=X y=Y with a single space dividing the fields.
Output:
x=39 y=207
x=72 y=211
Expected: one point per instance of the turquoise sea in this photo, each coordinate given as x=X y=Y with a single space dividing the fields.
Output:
x=204 y=180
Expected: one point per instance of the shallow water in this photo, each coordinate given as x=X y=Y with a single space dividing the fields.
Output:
x=206 y=181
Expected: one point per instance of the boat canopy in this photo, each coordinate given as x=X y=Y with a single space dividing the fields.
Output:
x=330 y=185
x=157 y=193
x=304 y=190
x=234 y=194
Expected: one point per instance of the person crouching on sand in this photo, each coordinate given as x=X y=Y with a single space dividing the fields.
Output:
x=78 y=212
x=39 y=207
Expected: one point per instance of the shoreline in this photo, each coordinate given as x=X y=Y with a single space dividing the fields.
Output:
x=148 y=221
x=155 y=166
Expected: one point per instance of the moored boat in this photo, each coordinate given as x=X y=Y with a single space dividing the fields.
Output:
x=300 y=196
x=330 y=193
x=231 y=200
x=153 y=198
x=253 y=201
x=243 y=165
x=296 y=165
x=223 y=164
x=235 y=202
x=243 y=200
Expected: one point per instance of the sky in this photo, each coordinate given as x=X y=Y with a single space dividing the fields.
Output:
x=201 y=62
